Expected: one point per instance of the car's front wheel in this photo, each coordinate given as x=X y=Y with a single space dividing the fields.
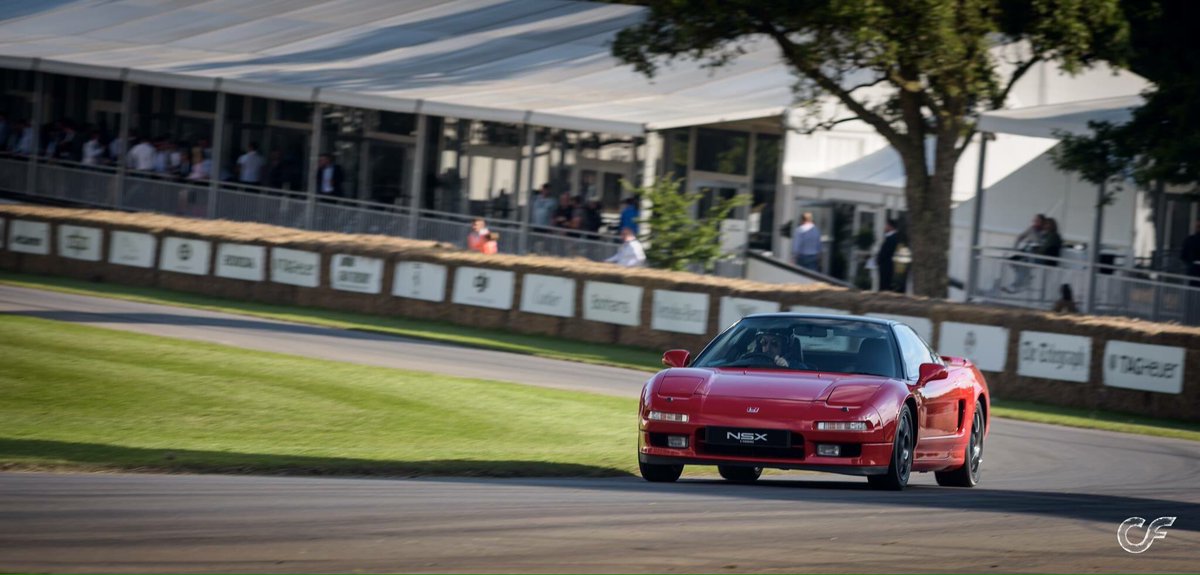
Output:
x=660 y=473
x=739 y=473
x=900 y=468
x=968 y=474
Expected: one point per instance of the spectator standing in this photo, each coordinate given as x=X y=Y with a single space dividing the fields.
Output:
x=1052 y=243
x=491 y=243
x=885 y=257
x=250 y=166
x=329 y=177
x=1028 y=241
x=564 y=214
x=116 y=147
x=478 y=236
x=631 y=254
x=592 y=219
x=24 y=139
x=630 y=214
x=806 y=243
x=68 y=146
x=1190 y=254
x=543 y=207
x=93 y=150
x=1066 y=300
x=141 y=156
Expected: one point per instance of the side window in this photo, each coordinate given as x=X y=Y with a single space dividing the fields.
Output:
x=912 y=350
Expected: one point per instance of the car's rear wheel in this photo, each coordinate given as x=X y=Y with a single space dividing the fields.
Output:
x=660 y=473
x=968 y=474
x=739 y=473
x=900 y=468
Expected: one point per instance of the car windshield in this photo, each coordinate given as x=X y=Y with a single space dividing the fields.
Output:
x=805 y=343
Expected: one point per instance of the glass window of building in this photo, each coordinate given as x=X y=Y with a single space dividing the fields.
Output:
x=722 y=151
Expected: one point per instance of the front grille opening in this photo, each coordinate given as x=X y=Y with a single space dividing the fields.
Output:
x=658 y=439
x=796 y=451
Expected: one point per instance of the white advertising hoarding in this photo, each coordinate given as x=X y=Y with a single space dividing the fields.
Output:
x=818 y=309
x=79 y=243
x=132 y=249
x=242 y=262
x=483 y=287
x=985 y=345
x=735 y=308
x=1054 y=356
x=612 y=303
x=922 y=326
x=1145 y=367
x=680 y=312
x=419 y=280
x=29 y=237
x=548 y=295
x=185 y=256
x=356 y=274
x=295 y=267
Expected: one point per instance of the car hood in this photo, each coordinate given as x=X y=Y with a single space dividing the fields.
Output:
x=765 y=384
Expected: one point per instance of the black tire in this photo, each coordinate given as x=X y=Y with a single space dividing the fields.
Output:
x=900 y=468
x=739 y=473
x=660 y=473
x=968 y=474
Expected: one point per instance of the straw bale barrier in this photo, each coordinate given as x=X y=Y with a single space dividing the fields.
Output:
x=1091 y=362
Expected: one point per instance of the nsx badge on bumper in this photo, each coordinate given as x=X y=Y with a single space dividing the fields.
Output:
x=759 y=437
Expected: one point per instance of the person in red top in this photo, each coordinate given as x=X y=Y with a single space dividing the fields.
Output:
x=477 y=237
x=491 y=243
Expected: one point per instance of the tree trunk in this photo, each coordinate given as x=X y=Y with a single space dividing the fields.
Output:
x=928 y=234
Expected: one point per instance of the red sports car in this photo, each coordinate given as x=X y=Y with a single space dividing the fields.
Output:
x=845 y=394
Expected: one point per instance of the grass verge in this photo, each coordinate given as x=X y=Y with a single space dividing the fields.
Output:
x=547 y=347
x=541 y=346
x=87 y=398
x=1089 y=419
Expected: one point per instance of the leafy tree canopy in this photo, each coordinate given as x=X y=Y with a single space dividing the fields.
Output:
x=915 y=70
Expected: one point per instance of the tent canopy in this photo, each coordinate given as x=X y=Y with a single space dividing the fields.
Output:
x=543 y=62
x=1052 y=120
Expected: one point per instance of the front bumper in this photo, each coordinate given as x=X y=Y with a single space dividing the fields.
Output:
x=842 y=469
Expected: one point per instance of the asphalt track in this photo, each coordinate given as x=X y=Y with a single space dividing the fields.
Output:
x=1051 y=499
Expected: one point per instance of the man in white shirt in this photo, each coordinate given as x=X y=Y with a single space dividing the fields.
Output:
x=806 y=243
x=250 y=166
x=141 y=156
x=93 y=150
x=631 y=254
x=543 y=207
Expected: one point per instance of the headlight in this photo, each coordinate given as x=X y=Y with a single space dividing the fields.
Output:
x=841 y=426
x=664 y=416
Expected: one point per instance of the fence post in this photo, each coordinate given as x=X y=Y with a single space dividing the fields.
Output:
x=36 y=127
x=1097 y=227
x=218 y=153
x=314 y=152
x=123 y=138
x=530 y=148
x=416 y=183
x=973 y=253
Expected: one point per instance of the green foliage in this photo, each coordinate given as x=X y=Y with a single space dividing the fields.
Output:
x=677 y=238
x=917 y=71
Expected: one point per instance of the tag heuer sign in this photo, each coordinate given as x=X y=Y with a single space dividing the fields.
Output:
x=295 y=267
x=29 y=237
x=242 y=262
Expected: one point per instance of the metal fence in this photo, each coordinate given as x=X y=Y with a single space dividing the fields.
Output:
x=1016 y=278
x=102 y=186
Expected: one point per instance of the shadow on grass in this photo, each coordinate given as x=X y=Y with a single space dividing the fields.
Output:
x=36 y=454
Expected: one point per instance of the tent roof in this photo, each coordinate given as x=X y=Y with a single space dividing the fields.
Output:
x=1069 y=117
x=544 y=62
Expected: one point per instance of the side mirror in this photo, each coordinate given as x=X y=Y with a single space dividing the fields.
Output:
x=931 y=372
x=676 y=358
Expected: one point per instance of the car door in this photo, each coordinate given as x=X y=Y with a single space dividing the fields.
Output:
x=939 y=403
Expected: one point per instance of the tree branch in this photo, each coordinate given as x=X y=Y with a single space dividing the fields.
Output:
x=1018 y=73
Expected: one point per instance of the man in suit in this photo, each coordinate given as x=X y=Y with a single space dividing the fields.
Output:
x=329 y=177
x=884 y=258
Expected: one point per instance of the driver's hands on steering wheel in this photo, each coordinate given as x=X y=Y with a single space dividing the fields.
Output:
x=781 y=361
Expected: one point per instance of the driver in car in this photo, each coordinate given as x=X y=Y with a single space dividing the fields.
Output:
x=773 y=345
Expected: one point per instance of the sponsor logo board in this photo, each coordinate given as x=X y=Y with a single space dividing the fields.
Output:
x=295 y=267
x=29 y=237
x=548 y=295
x=985 y=345
x=79 y=243
x=1145 y=367
x=356 y=274
x=132 y=249
x=736 y=308
x=612 y=303
x=1054 y=356
x=680 y=312
x=483 y=287
x=242 y=262
x=419 y=280
x=185 y=256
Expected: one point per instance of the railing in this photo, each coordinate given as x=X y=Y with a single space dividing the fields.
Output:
x=1016 y=278
x=144 y=191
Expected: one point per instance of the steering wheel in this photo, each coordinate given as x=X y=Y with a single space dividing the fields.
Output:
x=758 y=355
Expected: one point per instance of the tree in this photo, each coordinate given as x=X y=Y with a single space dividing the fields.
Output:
x=914 y=70
x=678 y=239
x=1161 y=143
